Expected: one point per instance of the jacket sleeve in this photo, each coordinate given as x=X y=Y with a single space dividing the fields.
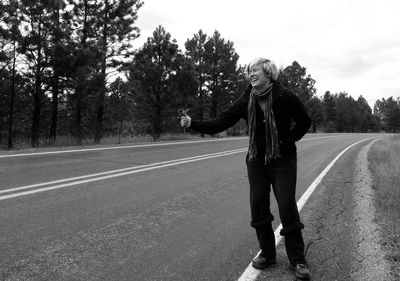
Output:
x=300 y=117
x=225 y=119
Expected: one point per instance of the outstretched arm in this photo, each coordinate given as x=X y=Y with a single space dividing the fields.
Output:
x=223 y=121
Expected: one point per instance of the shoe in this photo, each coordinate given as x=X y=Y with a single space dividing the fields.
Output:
x=261 y=262
x=301 y=271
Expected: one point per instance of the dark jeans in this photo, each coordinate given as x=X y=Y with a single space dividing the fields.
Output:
x=281 y=175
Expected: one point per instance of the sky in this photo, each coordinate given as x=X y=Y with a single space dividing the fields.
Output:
x=348 y=46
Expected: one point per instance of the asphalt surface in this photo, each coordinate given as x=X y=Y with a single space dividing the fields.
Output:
x=345 y=237
x=65 y=216
x=343 y=240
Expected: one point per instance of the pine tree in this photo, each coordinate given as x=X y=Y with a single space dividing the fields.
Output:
x=390 y=112
x=316 y=113
x=296 y=79
x=156 y=75
x=221 y=75
x=59 y=32
x=195 y=50
x=120 y=104
x=35 y=47
x=84 y=63
x=348 y=116
x=366 y=122
x=329 y=107
x=115 y=32
x=10 y=35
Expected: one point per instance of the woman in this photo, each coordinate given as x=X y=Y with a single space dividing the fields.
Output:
x=269 y=110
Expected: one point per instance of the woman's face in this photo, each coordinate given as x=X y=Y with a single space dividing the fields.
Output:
x=258 y=78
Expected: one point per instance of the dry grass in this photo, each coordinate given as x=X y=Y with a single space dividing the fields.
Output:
x=68 y=141
x=384 y=164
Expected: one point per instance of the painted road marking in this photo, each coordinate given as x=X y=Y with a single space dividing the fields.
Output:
x=114 y=147
x=116 y=173
x=51 y=185
x=251 y=273
x=134 y=146
x=110 y=172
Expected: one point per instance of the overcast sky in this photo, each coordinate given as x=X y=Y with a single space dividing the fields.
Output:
x=346 y=45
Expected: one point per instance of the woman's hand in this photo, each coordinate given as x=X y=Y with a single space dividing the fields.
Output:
x=186 y=121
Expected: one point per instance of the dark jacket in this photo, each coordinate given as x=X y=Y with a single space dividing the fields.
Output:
x=287 y=108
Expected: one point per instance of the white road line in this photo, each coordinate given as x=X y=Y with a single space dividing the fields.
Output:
x=99 y=176
x=251 y=273
x=114 y=147
x=134 y=146
x=137 y=170
x=110 y=172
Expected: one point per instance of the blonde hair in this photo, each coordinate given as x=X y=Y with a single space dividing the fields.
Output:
x=268 y=66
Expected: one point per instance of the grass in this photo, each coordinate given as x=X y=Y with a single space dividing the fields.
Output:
x=385 y=168
x=385 y=165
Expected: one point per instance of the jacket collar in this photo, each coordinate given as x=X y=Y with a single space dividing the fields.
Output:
x=277 y=90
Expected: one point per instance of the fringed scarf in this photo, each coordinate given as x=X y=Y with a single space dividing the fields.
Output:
x=271 y=133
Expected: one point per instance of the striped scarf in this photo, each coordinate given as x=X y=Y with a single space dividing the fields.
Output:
x=271 y=133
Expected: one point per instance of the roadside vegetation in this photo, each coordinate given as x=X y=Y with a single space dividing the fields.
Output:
x=64 y=141
x=385 y=167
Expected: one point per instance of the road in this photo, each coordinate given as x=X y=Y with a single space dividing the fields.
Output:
x=177 y=211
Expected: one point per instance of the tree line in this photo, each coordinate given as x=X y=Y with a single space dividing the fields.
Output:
x=68 y=68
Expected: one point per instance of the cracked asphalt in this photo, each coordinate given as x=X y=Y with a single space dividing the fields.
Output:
x=342 y=239
x=175 y=223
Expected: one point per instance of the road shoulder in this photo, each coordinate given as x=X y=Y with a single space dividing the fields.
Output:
x=341 y=236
